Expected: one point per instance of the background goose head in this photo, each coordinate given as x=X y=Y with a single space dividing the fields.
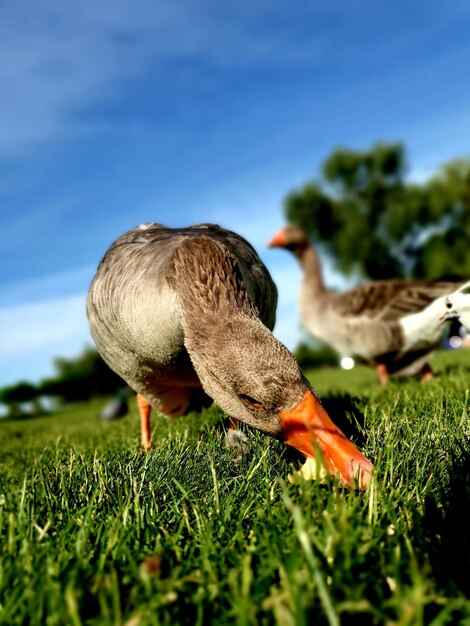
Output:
x=292 y=238
x=295 y=240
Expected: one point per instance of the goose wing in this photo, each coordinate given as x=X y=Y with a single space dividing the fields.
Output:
x=389 y=300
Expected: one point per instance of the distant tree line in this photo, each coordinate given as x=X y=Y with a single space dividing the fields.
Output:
x=78 y=379
x=87 y=376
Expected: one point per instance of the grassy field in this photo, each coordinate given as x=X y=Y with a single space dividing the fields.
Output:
x=94 y=531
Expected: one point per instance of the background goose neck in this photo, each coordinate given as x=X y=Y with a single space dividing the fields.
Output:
x=312 y=271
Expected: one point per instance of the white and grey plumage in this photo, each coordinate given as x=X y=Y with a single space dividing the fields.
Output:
x=391 y=324
x=457 y=306
x=185 y=315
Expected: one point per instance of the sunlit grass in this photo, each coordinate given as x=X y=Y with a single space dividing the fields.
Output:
x=93 y=531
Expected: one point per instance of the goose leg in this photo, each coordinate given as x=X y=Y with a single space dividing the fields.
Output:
x=174 y=401
x=426 y=373
x=144 y=412
x=382 y=372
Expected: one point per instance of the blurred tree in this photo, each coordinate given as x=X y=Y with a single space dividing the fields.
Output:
x=81 y=378
x=77 y=379
x=15 y=395
x=369 y=220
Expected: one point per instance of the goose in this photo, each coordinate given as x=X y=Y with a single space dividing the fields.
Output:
x=457 y=306
x=393 y=325
x=184 y=316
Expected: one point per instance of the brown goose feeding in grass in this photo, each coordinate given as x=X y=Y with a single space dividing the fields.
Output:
x=186 y=314
x=393 y=325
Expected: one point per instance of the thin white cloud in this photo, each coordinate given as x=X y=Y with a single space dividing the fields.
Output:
x=30 y=327
x=31 y=335
x=59 y=58
x=52 y=286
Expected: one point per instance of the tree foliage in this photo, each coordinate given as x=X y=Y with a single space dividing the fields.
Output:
x=16 y=396
x=79 y=378
x=370 y=220
x=20 y=392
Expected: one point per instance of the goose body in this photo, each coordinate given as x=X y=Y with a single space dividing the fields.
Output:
x=392 y=324
x=136 y=316
x=185 y=317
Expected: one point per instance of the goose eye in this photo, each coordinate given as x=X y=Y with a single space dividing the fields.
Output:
x=449 y=305
x=251 y=401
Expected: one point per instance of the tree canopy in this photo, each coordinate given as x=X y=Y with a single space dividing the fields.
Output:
x=370 y=220
x=22 y=391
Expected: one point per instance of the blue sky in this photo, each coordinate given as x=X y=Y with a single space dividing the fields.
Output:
x=118 y=113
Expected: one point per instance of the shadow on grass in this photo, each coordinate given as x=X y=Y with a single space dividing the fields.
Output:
x=452 y=368
x=445 y=524
x=345 y=411
x=24 y=417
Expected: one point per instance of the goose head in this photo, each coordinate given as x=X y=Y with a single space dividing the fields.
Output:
x=249 y=373
x=253 y=377
x=291 y=238
x=295 y=240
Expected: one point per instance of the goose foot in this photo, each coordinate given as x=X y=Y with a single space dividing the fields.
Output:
x=426 y=373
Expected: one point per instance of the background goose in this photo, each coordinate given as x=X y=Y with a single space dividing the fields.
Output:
x=391 y=324
x=184 y=315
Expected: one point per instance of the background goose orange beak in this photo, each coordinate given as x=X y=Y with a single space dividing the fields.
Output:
x=308 y=425
x=278 y=241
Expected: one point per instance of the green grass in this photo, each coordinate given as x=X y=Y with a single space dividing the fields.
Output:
x=93 y=531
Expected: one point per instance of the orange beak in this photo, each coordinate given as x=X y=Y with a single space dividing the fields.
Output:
x=308 y=425
x=278 y=241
